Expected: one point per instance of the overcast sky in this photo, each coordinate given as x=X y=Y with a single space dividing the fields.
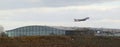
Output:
x=17 y=13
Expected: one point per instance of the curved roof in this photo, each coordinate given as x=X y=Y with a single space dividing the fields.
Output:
x=50 y=27
x=35 y=27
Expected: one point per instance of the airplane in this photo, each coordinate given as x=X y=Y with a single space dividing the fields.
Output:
x=84 y=19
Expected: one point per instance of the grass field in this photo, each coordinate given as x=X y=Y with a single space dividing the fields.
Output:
x=60 y=41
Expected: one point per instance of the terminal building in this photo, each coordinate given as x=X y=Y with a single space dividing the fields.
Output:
x=2 y=31
x=37 y=30
x=44 y=31
x=34 y=31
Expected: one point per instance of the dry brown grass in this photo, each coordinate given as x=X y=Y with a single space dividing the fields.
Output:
x=60 y=41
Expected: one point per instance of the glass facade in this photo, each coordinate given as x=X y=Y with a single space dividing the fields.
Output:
x=35 y=31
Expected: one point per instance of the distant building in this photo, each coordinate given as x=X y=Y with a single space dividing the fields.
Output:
x=1 y=29
x=34 y=31
x=2 y=33
x=37 y=30
x=44 y=31
x=106 y=32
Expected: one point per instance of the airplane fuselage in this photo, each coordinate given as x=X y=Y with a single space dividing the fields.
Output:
x=84 y=19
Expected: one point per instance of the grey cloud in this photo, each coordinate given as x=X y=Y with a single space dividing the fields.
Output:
x=11 y=4
x=66 y=15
